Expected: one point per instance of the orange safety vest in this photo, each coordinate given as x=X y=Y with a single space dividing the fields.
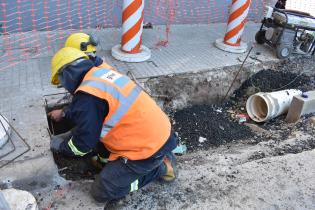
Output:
x=135 y=127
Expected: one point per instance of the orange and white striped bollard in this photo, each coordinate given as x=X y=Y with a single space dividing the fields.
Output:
x=131 y=48
x=236 y=24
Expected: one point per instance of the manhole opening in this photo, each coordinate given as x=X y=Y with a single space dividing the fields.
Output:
x=60 y=127
x=71 y=168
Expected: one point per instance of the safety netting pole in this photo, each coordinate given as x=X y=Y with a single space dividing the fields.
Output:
x=131 y=48
x=237 y=19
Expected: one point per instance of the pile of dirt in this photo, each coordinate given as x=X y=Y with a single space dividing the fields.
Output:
x=280 y=130
x=269 y=81
x=203 y=126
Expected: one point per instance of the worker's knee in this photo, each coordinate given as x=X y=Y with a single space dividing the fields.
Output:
x=104 y=190
x=98 y=192
x=118 y=178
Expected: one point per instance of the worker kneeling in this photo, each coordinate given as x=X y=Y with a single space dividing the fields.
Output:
x=110 y=108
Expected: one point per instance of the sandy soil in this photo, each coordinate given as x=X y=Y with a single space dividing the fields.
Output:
x=238 y=176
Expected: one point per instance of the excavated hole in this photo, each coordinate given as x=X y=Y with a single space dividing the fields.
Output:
x=56 y=128
x=199 y=123
x=71 y=168
x=203 y=126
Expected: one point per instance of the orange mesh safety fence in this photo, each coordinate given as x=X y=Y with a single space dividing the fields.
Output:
x=31 y=28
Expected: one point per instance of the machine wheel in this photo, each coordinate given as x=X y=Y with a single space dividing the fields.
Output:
x=283 y=51
x=260 y=37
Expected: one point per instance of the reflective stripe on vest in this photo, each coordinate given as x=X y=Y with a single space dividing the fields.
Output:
x=125 y=101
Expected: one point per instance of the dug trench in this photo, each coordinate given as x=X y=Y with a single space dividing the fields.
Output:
x=203 y=121
x=71 y=168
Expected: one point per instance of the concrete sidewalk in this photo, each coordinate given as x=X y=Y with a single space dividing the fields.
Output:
x=189 y=49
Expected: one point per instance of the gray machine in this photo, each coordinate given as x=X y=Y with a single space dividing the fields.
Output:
x=288 y=32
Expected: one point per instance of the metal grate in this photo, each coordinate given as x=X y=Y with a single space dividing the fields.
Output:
x=13 y=145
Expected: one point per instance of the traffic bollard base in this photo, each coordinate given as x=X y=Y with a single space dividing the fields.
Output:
x=219 y=43
x=144 y=55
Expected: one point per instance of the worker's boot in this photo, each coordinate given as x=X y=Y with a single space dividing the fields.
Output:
x=171 y=170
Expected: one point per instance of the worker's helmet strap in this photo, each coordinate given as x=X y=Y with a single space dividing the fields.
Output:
x=93 y=40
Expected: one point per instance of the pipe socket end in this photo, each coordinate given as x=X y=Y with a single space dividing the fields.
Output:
x=257 y=108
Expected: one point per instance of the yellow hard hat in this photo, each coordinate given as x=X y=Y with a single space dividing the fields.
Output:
x=63 y=57
x=81 y=41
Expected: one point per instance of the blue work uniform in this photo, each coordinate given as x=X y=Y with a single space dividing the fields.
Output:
x=87 y=113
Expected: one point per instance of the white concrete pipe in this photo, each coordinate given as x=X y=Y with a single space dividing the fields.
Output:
x=265 y=106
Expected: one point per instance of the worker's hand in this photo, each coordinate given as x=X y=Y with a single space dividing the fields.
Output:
x=55 y=143
x=57 y=140
x=56 y=115
x=99 y=163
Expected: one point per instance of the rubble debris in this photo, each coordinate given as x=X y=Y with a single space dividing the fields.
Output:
x=203 y=120
x=242 y=118
x=255 y=128
x=257 y=155
x=312 y=121
x=278 y=129
x=180 y=149
x=202 y=139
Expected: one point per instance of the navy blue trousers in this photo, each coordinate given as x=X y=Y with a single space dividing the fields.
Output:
x=122 y=176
